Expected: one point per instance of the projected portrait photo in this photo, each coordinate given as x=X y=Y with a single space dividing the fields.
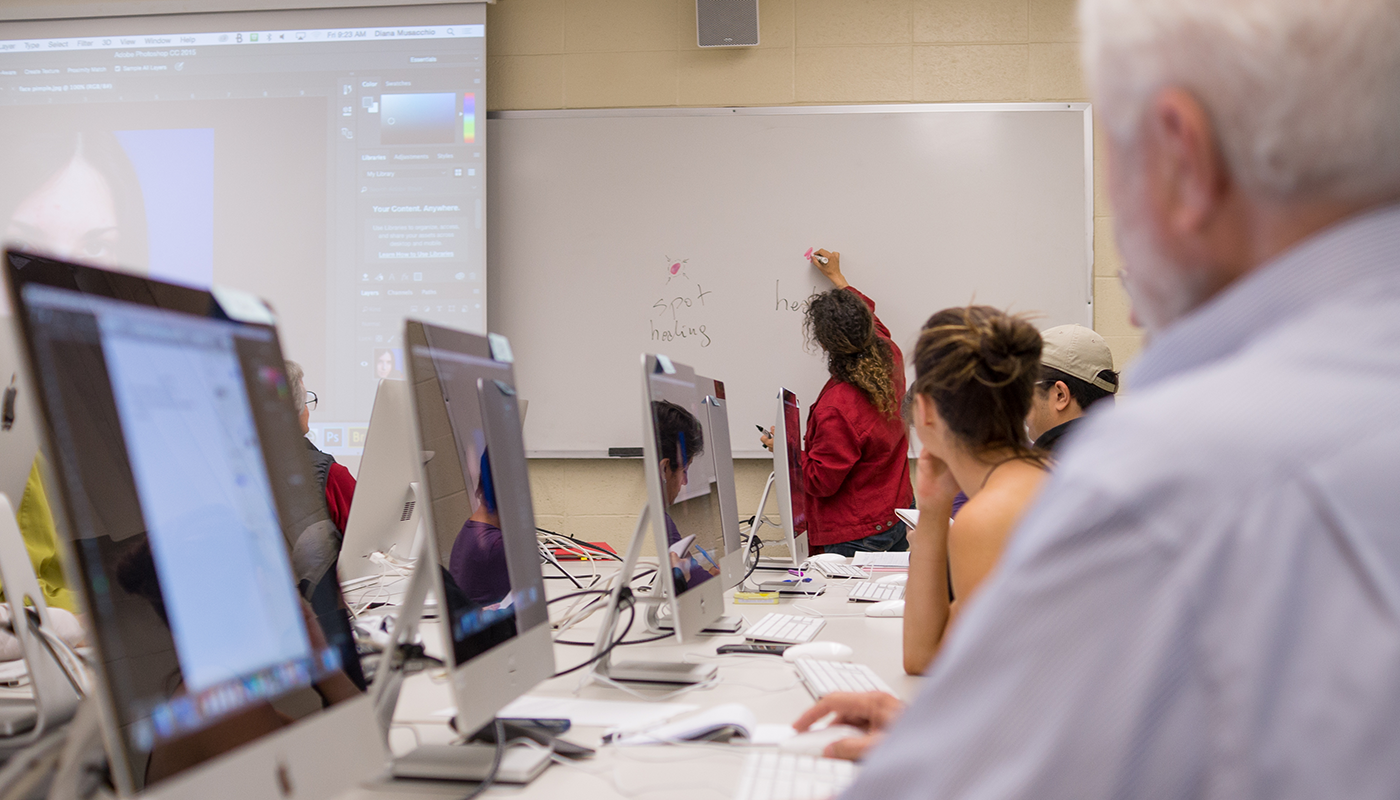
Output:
x=77 y=197
x=386 y=363
x=136 y=200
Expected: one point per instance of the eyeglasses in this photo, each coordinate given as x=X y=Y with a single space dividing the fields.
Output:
x=311 y=399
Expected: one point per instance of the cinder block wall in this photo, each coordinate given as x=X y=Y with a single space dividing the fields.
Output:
x=615 y=53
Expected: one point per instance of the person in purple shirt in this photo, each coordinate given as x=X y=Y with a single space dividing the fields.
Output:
x=478 y=561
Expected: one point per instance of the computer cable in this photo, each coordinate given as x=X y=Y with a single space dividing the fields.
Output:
x=632 y=617
x=755 y=551
x=495 y=764
x=585 y=545
x=553 y=542
x=547 y=557
x=70 y=662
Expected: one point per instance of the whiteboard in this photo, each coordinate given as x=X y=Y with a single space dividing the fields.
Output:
x=930 y=206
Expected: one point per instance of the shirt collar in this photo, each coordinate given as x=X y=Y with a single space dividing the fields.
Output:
x=1319 y=268
x=1051 y=438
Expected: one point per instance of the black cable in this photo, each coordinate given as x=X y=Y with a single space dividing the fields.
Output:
x=490 y=778
x=554 y=600
x=632 y=607
x=644 y=641
x=581 y=543
x=618 y=644
x=755 y=548
x=571 y=578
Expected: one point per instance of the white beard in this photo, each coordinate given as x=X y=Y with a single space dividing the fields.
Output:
x=1160 y=289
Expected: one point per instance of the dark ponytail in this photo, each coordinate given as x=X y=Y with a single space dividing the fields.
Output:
x=979 y=366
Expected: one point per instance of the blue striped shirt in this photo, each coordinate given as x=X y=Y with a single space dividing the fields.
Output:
x=1205 y=600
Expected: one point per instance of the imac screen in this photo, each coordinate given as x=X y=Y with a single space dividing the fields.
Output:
x=202 y=539
x=694 y=535
x=490 y=567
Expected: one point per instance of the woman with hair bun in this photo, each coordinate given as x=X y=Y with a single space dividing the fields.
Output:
x=975 y=370
x=855 y=464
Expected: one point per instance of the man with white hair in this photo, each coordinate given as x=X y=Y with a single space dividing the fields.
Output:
x=1205 y=601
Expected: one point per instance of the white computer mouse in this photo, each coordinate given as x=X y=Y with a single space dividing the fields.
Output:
x=814 y=742
x=820 y=651
x=833 y=558
x=889 y=608
x=900 y=578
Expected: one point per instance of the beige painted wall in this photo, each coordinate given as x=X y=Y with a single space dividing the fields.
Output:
x=613 y=53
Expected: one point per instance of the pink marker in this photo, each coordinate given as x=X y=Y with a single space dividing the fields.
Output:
x=808 y=255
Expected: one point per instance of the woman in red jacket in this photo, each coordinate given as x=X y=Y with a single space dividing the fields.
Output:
x=856 y=461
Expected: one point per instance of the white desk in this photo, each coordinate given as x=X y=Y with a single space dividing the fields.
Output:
x=767 y=685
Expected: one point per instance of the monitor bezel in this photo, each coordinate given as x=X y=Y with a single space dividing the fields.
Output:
x=797 y=543
x=296 y=756
x=731 y=565
x=512 y=667
x=701 y=605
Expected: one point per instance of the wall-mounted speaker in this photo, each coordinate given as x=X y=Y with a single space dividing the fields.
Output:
x=727 y=23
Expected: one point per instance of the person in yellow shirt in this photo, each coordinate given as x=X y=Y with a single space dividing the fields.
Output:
x=36 y=525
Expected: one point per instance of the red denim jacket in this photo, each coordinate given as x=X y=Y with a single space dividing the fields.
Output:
x=856 y=462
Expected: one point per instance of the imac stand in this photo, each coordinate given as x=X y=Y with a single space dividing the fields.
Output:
x=771 y=562
x=448 y=762
x=677 y=672
x=55 y=702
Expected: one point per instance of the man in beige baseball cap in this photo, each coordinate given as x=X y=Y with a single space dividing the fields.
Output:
x=1076 y=371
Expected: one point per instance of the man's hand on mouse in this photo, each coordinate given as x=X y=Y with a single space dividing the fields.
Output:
x=871 y=712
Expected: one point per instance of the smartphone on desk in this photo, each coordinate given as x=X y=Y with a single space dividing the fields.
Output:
x=751 y=649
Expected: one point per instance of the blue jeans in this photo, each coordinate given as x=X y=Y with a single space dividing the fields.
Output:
x=893 y=540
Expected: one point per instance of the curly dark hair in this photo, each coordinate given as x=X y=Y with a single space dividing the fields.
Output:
x=678 y=433
x=844 y=326
x=979 y=366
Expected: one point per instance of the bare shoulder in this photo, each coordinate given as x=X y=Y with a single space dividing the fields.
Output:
x=995 y=510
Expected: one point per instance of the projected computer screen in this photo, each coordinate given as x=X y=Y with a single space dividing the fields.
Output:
x=330 y=161
x=199 y=530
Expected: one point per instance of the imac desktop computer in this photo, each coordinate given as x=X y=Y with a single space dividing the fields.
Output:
x=198 y=539
x=683 y=513
x=716 y=423
x=478 y=556
x=384 y=515
x=711 y=476
x=787 y=479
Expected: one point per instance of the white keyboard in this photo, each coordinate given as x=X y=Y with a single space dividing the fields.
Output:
x=788 y=776
x=872 y=592
x=834 y=569
x=784 y=629
x=824 y=677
